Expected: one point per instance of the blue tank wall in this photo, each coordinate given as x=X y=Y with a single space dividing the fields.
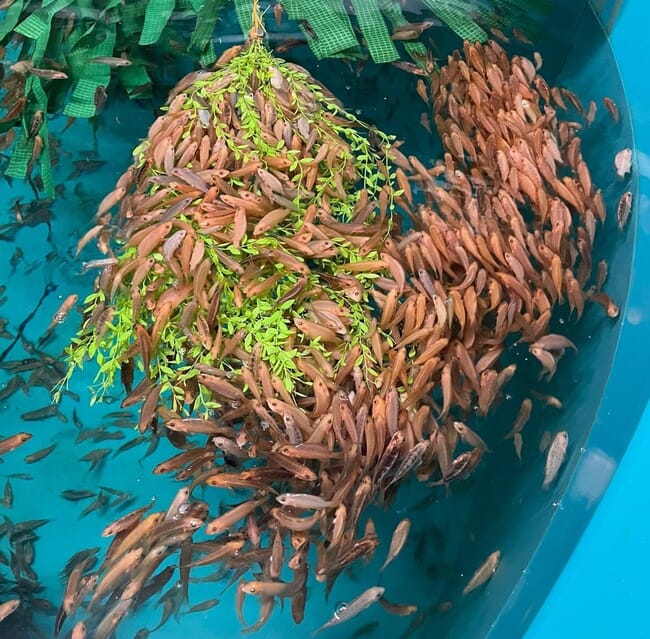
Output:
x=602 y=591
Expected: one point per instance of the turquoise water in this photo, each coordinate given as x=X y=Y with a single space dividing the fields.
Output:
x=500 y=506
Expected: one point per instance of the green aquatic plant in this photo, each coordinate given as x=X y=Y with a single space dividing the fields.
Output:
x=284 y=148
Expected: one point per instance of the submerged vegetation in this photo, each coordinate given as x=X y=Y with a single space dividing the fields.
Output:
x=251 y=223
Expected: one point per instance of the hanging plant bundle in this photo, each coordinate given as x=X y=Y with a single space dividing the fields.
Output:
x=249 y=234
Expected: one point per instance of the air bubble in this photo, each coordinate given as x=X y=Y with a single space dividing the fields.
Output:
x=235 y=404
x=340 y=609
x=229 y=375
x=508 y=397
x=358 y=111
x=264 y=425
x=183 y=508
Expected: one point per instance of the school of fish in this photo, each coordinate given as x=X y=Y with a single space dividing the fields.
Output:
x=500 y=232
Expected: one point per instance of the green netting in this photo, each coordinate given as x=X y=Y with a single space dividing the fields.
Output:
x=206 y=20
x=131 y=17
x=37 y=25
x=329 y=20
x=457 y=20
x=208 y=57
x=20 y=156
x=374 y=30
x=156 y=17
x=244 y=11
x=82 y=101
x=133 y=78
x=11 y=17
x=392 y=11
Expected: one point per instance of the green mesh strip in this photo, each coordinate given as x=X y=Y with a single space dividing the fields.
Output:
x=82 y=101
x=133 y=78
x=374 y=30
x=206 y=19
x=208 y=57
x=10 y=19
x=416 y=50
x=392 y=11
x=155 y=18
x=20 y=156
x=330 y=22
x=39 y=21
x=131 y=17
x=244 y=11
x=457 y=20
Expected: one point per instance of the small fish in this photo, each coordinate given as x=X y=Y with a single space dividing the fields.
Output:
x=303 y=500
x=412 y=30
x=62 y=312
x=8 y=607
x=12 y=442
x=48 y=74
x=8 y=497
x=204 y=605
x=278 y=12
x=484 y=572
x=555 y=457
x=400 y=535
x=79 y=631
x=357 y=605
x=623 y=210
x=39 y=454
x=518 y=442
x=623 y=162
x=41 y=413
x=400 y=610
x=77 y=495
x=111 y=61
x=470 y=437
x=611 y=107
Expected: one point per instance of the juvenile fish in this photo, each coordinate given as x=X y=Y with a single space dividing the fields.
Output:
x=555 y=457
x=623 y=162
x=204 y=605
x=13 y=441
x=357 y=605
x=111 y=61
x=303 y=500
x=39 y=454
x=401 y=610
x=8 y=607
x=623 y=210
x=484 y=572
x=400 y=535
x=470 y=437
x=62 y=312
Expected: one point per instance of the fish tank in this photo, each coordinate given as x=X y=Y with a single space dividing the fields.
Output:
x=313 y=316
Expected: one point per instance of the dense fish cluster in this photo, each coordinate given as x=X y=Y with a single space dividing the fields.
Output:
x=311 y=317
x=504 y=235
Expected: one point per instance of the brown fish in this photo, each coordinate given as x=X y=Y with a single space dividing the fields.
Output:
x=12 y=442
x=484 y=573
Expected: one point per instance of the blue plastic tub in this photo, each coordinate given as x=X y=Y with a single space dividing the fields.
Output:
x=602 y=590
x=604 y=389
